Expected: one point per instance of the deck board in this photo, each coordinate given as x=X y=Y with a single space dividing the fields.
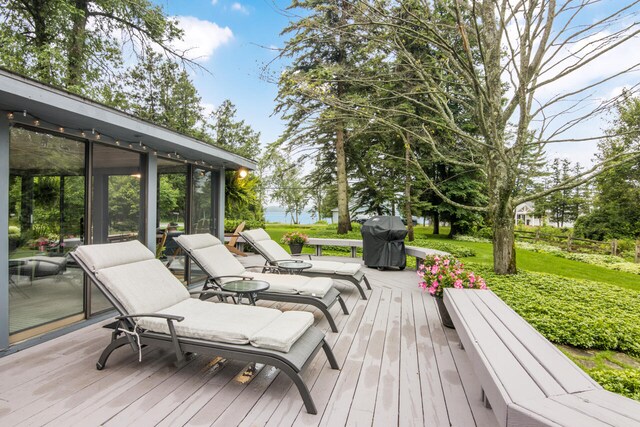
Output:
x=399 y=367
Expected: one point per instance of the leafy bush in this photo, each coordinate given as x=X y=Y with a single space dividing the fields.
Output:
x=14 y=231
x=566 y=311
x=463 y=238
x=622 y=381
x=455 y=250
x=230 y=225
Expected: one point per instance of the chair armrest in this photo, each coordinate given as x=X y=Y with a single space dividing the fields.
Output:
x=299 y=255
x=214 y=292
x=285 y=260
x=267 y=267
x=232 y=275
x=159 y=316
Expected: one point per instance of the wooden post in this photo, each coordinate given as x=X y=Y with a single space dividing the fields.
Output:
x=569 y=238
x=537 y=238
x=637 y=251
x=614 y=247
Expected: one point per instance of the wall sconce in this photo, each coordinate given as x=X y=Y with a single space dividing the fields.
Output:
x=243 y=173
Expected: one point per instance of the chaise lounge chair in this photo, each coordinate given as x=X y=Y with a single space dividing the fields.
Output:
x=156 y=310
x=274 y=253
x=220 y=265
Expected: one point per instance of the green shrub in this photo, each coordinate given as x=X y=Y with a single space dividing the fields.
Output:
x=14 y=230
x=622 y=381
x=230 y=225
x=583 y=314
x=455 y=250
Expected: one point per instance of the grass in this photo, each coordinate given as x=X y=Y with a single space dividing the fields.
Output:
x=526 y=260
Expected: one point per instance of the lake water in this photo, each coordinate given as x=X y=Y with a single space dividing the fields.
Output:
x=282 y=217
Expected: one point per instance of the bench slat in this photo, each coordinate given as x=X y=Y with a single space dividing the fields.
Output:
x=606 y=399
x=605 y=415
x=562 y=413
x=560 y=367
x=536 y=370
x=488 y=355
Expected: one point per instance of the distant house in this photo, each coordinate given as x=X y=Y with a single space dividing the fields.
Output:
x=525 y=216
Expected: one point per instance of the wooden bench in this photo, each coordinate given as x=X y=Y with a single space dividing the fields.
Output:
x=419 y=253
x=525 y=379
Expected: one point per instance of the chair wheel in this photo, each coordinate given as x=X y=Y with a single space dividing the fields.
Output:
x=380 y=268
x=400 y=268
x=99 y=367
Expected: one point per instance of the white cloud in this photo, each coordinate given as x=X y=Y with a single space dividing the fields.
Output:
x=238 y=7
x=201 y=38
x=214 y=2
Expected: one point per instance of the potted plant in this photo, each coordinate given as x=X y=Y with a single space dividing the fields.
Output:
x=439 y=272
x=295 y=240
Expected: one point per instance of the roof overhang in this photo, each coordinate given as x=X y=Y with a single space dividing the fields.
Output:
x=66 y=110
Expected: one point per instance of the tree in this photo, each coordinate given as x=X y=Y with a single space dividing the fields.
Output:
x=77 y=44
x=232 y=134
x=503 y=55
x=286 y=183
x=322 y=57
x=616 y=210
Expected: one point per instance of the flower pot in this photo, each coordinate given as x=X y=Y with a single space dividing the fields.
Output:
x=444 y=313
x=296 y=248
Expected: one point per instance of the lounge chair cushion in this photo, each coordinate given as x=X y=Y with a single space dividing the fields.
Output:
x=197 y=241
x=218 y=261
x=333 y=267
x=144 y=286
x=269 y=247
x=283 y=332
x=234 y=324
x=97 y=257
x=294 y=284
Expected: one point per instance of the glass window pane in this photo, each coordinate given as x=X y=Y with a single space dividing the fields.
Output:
x=201 y=212
x=171 y=214
x=46 y=210
x=118 y=202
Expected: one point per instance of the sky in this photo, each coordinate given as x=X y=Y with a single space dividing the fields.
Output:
x=234 y=40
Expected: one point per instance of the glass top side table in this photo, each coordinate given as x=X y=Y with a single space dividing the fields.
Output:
x=246 y=288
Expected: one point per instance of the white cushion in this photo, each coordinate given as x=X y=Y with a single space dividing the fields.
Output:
x=333 y=267
x=317 y=287
x=144 y=286
x=221 y=322
x=294 y=284
x=257 y=234
x=348 y=268
x=97 y=257
x=273 y=251
x=218 y=261
x=197 y=241
x=283 y=332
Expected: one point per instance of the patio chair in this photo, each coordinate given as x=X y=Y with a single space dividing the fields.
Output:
x=220 y=265
x=231 y=244
x=157 y=310
x=274 y=253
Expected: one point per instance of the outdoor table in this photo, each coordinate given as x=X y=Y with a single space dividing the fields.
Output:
x=248 y=288
x=292 y=267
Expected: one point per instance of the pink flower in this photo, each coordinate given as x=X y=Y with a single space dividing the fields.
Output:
x=434 y=269
x=446 y=262
x=472 y=278
x=458 y=284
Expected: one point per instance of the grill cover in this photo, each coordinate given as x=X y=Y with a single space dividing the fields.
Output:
x=383 y=242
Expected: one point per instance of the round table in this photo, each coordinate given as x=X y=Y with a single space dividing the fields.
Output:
x=248 y=288
x=293 y=267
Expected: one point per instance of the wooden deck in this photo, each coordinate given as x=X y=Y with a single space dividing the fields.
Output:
x=399 y=367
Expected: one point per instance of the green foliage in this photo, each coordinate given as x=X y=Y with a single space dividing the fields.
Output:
x=455 y=250
x=583 y=314
x=230 y=225
x=623 y=381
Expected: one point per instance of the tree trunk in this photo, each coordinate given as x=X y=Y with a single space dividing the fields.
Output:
x=504 y=245
x=436 y=222
x=75 y=64
x=344 y=222
x=407 y=192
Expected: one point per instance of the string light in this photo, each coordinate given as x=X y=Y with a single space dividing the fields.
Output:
x=138 y=146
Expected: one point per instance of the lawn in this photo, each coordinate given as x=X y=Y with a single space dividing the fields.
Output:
x=526 y=260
